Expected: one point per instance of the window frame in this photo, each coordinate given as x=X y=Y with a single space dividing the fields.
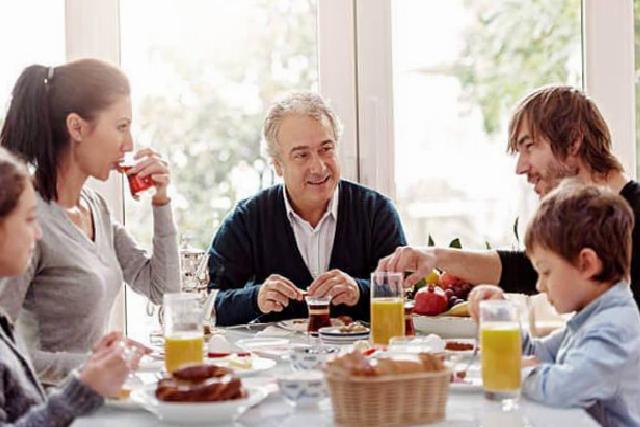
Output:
x=355 y=74
x=93 y=30
x=608 y=49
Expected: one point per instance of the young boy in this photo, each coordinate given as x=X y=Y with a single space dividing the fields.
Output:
x=579 y=242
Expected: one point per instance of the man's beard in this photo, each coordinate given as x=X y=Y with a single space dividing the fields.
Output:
x=554 y=173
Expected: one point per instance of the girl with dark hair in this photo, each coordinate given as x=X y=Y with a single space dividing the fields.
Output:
x=22 y=399
x=70 y=123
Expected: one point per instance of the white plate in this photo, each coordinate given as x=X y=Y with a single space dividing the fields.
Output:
x=345 y=339
x=197 y=412
x=446 y=326
x=124 y=404
x=324 y=338
x=471 y=384
x=334 y=331
x=257 y=364
x=267 y=347
x=294 y=325
x=300 y=325
x=334 y=342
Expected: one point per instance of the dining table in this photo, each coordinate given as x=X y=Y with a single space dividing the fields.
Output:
x=463 y=408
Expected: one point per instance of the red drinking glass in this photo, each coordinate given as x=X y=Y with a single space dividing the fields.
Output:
x=137 y=183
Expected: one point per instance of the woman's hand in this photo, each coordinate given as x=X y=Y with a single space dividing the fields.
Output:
x=152 y=164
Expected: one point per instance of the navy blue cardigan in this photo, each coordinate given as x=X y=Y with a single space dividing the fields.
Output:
x=256 y=240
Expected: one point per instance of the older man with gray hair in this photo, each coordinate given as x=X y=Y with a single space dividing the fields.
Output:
x=314 y=234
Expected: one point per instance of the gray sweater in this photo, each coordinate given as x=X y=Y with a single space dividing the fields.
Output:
x=61 y=305
x=22 y=400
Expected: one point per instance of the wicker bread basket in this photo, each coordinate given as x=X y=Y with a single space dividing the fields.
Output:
x=389 y=400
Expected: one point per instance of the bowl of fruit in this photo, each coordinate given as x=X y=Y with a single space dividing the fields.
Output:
x=441 y=307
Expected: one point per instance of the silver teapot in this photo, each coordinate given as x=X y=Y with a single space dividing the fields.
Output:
x=194 y=276
x=193 y=267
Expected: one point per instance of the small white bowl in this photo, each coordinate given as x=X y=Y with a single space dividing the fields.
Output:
x=333 y=335
x=303 y=389
x=446 y=326
x=304 y=356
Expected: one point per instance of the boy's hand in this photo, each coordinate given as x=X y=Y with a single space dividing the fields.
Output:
x=530 y=361
x=480 y=293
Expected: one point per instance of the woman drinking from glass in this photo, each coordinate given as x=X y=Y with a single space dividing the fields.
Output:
x=70 y=123
x=22 y=399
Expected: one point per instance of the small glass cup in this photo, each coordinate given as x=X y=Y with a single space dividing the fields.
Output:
x=183 y=331
x=137 y=184
x=387 y=306
x=500 y=341
x=129 y=351
x=319 y=316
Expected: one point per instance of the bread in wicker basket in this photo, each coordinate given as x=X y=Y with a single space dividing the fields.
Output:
x=389 y=392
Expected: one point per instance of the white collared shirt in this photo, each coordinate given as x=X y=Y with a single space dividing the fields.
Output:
x=315 y=244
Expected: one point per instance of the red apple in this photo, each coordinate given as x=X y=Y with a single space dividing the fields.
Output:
x=458 y=286
x=448 y=280
x=430 y=301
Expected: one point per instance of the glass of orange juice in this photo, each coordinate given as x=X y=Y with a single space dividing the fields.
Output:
x=387 y=306
x=183 y=332
x=500 y=341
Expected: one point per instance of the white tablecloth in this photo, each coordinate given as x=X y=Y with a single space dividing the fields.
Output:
x=463 y=409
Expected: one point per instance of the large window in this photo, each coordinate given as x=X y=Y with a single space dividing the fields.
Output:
x=459 y=68
x=29 y=38
x=203 y=73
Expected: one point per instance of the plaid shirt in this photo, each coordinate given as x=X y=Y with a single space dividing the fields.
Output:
x=22 y=399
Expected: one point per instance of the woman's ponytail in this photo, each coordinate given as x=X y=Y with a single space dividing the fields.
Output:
x=27 y=130
x=35 y=127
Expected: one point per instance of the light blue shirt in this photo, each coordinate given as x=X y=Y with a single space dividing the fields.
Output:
x=593 y=363
x=315 y=244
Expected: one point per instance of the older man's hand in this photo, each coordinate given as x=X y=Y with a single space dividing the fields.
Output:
x=342 y=288
x=275 y=293
x=480 y=293
x=420 y=261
